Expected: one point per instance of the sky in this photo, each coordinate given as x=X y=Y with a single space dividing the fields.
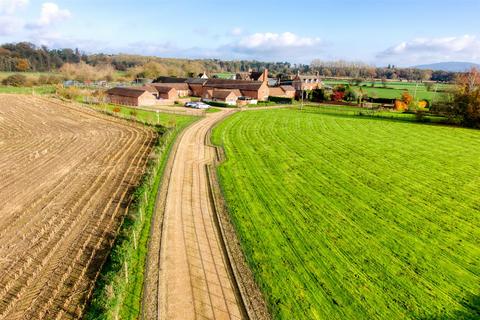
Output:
x=378 y=32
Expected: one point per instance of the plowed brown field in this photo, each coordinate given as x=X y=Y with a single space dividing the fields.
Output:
x=66 y=174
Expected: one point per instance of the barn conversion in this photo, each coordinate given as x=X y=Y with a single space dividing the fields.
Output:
x=228 y=96
x=199 y=87
x=131 y=96
x=283 y=91
x=255 y=87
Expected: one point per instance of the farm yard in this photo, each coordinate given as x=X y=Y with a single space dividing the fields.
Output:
x=348 y=217
x=66 y=178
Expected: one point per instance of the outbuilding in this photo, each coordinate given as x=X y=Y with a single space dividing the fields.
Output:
x=285 y=91
x=131 y=96
x=227 y=96
x=167 y=93
x=183 y=90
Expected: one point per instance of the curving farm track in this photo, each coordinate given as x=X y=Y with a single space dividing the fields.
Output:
x=65 y=178
x=193 y=275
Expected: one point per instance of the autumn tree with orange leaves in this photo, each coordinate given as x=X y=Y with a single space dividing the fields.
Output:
x=466 y=101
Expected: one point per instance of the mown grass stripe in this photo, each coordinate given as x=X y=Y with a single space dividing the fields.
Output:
x=343 y=216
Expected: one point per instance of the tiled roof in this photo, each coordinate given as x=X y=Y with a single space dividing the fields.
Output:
x=224 y=93
x=163 y=79
x=164 y=89
x=275 y=91
x=133 y=92
x=178 y=86
x=287 y=88
x=233 y=84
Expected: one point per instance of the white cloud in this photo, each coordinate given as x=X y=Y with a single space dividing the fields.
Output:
x=276 y=46
x=9 y=22
x=237 y=31
x=269 y=40
x=465 y=47
x=10 y=6
x=10 y=25
x=51 y=13
x=42 y=31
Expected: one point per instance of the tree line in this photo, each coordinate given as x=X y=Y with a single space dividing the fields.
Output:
x=24 y=56
x=345 y=69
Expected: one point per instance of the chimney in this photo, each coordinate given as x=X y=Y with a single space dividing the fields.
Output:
x=265 y=75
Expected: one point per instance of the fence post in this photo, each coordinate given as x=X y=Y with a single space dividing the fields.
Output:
x=134 y=240
x=126 y=271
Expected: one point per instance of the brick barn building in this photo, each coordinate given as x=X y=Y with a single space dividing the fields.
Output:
x=182 y=89
x=282 y=91
x=132 y=96
x=252 y=89
x=227 y=96
x=167 y=93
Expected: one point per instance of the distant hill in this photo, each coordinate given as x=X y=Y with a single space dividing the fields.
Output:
x=449 y=66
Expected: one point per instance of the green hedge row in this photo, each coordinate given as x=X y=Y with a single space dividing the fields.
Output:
x=217 y=104
x=281 y=100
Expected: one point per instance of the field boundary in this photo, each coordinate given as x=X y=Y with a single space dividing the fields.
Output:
x=251 y=297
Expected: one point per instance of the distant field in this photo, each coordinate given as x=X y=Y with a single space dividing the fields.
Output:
x=46 y=89
x=395 y=89
x=348 y=217
x=30 y=75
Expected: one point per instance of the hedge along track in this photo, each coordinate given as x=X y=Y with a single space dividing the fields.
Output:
x=55 y=279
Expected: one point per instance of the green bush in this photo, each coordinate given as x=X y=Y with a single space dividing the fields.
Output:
x=217 y=104
x=51 y=79
x=281 y=100
x=15 y=80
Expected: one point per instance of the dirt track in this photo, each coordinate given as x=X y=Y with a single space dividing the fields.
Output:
x=194 y=281
x=65 y=177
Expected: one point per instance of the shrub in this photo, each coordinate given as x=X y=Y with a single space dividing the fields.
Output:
x=407 y=98
x=423 y=104
x=400 y=105
x=217 y=104
x=15 y=80
x=338 y=96
x=320 y=95
x=70 y=93
x=281 y=100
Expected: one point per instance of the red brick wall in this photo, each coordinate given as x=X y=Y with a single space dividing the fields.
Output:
x=127 y=101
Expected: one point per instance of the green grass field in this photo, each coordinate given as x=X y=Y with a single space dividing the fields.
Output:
x=395 y=89
x=348 y=217
x=46 y=89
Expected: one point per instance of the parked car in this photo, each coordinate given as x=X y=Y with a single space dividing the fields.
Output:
x=201 y=105
x=197 y=105
x=190 y=104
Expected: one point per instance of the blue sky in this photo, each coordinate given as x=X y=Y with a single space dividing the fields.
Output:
x=406 y=32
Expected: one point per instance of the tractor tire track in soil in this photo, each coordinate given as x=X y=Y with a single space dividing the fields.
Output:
x=65 y=182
